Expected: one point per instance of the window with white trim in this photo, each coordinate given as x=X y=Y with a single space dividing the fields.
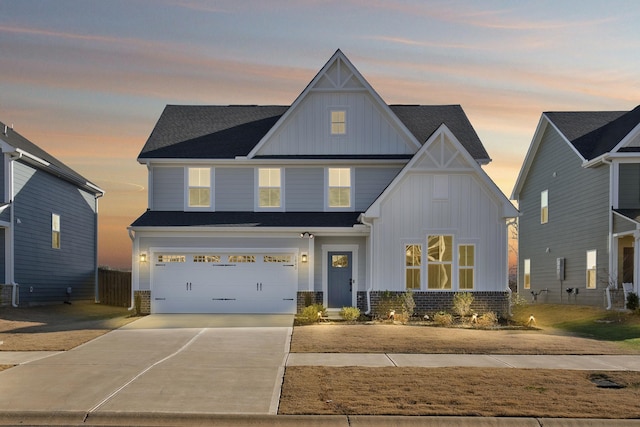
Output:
x=412 y=266
x=339 y=193
x=466 y=266
x=527 y=274
x=439 y=261
x=591 y=269
x=269 y=187
x=199 y=183
x=55 y=231
x=544 y=207
x=338 y=122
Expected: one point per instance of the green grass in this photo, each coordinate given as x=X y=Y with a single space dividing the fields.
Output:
x=590 y=322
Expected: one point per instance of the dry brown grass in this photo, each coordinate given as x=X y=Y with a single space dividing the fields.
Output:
x=57 y=327
x=383 y=338
x=457 y=391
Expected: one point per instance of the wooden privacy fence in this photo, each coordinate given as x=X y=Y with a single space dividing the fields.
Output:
x=114 y=287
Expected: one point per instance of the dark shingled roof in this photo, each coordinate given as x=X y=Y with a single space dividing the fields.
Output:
x=224 y=132
x=56 y=167
x=246 y=219
x=594 y=133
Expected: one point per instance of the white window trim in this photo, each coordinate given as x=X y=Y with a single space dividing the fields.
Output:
x=257 y=206
x=595 y=269
x=212 y=192
x=351 y=195
x=59 y=230
x=472 y=268
x=403 y=280
x=346 y=120
x=542 y=207
x=525 y=264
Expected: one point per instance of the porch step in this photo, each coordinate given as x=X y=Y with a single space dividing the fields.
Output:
x=333 y=314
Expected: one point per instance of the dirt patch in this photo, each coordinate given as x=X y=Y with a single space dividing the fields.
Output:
x=457 y=391
x=381 y=338
x=57 y=327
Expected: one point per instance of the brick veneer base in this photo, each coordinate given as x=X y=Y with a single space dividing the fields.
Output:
x=145 y=301
x=306 y=298
x=432 y=302
x=5 y=294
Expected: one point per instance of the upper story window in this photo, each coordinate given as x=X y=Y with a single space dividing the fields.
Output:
x=338 y=122
x=544 y=207
x=269 y=187
x=413 y=265
x=339 y=194
x=527 y=274
x=591 y=269
x=55 y=231
x=199 y=182
x=439 y=261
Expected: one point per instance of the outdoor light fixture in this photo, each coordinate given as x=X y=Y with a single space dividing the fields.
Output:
x=304 y=257
x=143 y=257
x=307 y=235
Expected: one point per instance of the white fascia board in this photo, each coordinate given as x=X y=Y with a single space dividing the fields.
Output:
x=266 y=232
x=274 y=161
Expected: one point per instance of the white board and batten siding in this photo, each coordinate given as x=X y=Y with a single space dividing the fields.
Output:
x=369 y=130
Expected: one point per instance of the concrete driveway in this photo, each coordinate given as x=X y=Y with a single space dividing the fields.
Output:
x=225 y=364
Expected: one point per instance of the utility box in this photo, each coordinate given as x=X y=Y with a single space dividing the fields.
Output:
x=560 y=268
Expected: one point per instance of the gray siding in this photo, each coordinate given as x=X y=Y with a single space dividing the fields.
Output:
x=629 y=186
x=304 y=189
x=234 y=189
x=44 y=273
x=370 y=183
x=578 y=221
x=3 y=269
x=168 y=189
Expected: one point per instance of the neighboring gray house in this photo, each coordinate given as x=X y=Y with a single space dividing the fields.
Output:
x=335 y=199
x=579 y=197
x=48 y=226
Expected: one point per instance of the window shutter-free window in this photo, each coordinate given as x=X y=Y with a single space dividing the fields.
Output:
x=466 y=264
x=339 y=187
x=338 y=122
x=199 y=187
x=55 y=231
x=591 y=269
x=544 y=207
x=413 y=263
x=527 y=274
x=439 y=261
x=269 y=183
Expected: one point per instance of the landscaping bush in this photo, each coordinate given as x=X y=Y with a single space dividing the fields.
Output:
x=350 y=314
x=443 y=318
x=408 y=304
x=633 y=303
x=487 y=320
x=311 y=314
x=388 y=302
x=462 y=303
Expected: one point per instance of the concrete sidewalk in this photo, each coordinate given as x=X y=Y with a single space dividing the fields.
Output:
x=573 y=362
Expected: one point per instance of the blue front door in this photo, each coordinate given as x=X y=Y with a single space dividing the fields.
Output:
x=340 y=280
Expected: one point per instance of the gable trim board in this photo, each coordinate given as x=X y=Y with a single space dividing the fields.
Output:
x=407 y=141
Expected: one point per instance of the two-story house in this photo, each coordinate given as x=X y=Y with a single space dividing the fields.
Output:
x=333 y=199
x=48 y=226
x=579 y=198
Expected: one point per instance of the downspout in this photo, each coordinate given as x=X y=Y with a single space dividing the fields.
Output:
x=369 y=263
x=15 y=291
x=96 y=292
x=134 y=270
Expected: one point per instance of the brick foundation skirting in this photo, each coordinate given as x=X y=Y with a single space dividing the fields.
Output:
x=5 y=294
x=433 y=302
x=145 y=301
x=307 y=298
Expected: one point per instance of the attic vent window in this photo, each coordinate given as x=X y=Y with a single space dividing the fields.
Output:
x=338 y=122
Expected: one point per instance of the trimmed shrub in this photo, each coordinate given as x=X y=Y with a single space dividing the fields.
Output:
x=633 y=302
x=350 y=314
x=487 y=320
x=443 y=318
x=462 y=303
x=311 y=314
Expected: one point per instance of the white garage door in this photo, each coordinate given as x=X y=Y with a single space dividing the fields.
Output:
x=224 y=283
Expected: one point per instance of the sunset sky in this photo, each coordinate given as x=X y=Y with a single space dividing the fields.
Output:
x=86 y=80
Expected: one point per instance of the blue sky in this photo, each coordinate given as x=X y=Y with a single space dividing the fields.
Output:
x=86 y=79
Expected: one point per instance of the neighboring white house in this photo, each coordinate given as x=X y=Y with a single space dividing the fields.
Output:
x=334 y=199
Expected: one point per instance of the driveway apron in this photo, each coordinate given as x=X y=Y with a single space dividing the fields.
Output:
x=161 y=363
